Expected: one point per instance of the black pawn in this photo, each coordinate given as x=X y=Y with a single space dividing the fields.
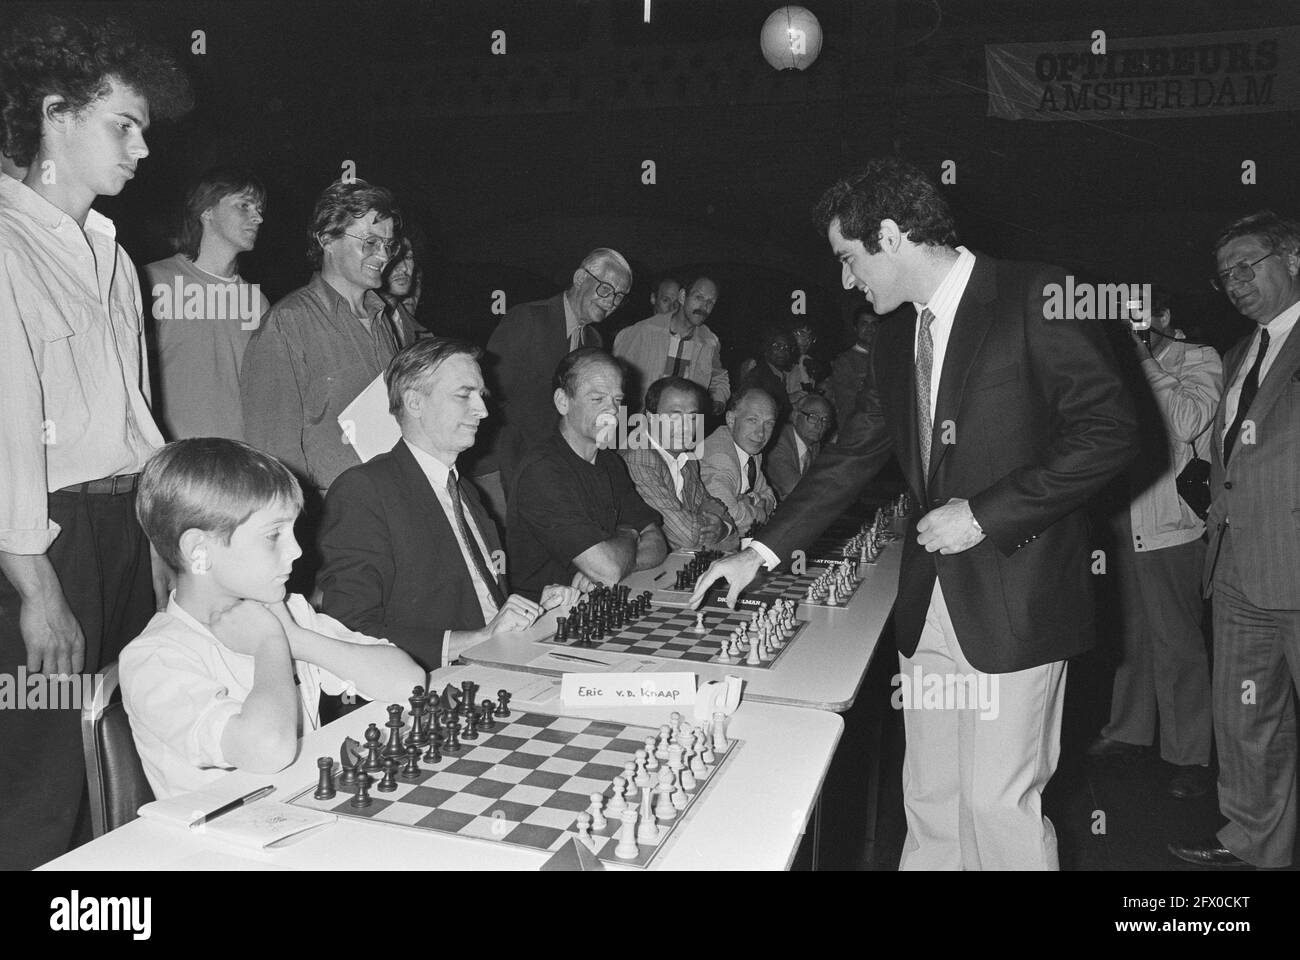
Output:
x=503 y=703
x=471 y=724
x=453 y=731
x=325 y=788
x=486 y=716
x=412 y=769
x=433 y=755
x=362 y=797
x=389 y=783
x=373 y=759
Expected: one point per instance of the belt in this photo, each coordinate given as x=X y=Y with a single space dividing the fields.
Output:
x=109 y=486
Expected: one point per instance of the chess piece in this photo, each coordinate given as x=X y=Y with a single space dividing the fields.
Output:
x=486 y=716
x=720 y=743
x=686 y=781
x=699 y=759
x=325 y=786
x=627 y=848
x=453 y=734
x=754 y=659
x=652 y=761
x=394 y=749
x=679 y=798
x=503 y=703
x=664 y=809
x=373 y=750
x=389 y=783
x=596 y=812
x=362 y=798
x=699 y=623
x=629 y=774
x=647 y=830
x=584 y=832
x=616 y=803
x=433 y=754
x=412 y=769
x=471 y=724
x=661 y=749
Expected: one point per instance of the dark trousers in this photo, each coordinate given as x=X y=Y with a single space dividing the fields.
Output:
x=101 y=557
x=1165 y=671
x=1256 y=671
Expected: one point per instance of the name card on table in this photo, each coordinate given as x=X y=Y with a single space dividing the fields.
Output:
x=627 y=689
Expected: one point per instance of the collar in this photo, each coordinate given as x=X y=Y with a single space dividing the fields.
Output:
x=337 y=303
x=860 y=348
x=677 y=460
x=23 y=198
x=800 y=447
x=570 y=319
x=741 y=455
x=174 y=609
x=434 y=469
x=1281 y=325
x=943 y=302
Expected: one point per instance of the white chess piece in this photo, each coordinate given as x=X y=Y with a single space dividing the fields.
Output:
x=680 y=799
x=687 y=780
x=699 y=760
x=652 y=761
x=647 y=830
x=627 y=848
x=661 y=749
x=699 y=624
x=629 y=774
x=584 y=832
x=720 y=743
x=664 y=809
x=616 y=803
x=753 y=660
x=595 y=812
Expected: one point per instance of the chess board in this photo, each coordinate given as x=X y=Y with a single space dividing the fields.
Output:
x=523 y=783
x=764 y=590
x=670 y=633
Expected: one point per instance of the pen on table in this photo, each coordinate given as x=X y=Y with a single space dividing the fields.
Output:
x=235 y=804
x=661 y=575
x=569 y=656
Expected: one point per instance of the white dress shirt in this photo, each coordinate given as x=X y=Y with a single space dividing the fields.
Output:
x=1279 y=328
x=943 y=304
x=676 y=462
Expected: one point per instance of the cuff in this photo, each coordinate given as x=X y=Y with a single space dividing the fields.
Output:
x=770 y=560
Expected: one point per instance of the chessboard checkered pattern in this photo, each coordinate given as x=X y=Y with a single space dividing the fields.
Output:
x=523 y=783
x=670 y=633
x=773 y=586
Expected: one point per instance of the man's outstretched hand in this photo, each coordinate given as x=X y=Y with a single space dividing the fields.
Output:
x=739 y=569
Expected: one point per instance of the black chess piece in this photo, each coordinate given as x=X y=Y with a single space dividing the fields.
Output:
x=374 y=761
x=561 y=629
x=467 y=691
x=389 y=783
x=471 y=724
x=503 y=703
x=433 y=755
x=412 y=769
x=453 y=734
x=325 y=786
x=394 y=749
x=362 y=797
x=486 y=716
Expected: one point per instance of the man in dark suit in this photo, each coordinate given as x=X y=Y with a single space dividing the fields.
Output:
x=1005 y=422
x=410 y=555
x=1252 y=566
x=524 y=351
x=799 y=443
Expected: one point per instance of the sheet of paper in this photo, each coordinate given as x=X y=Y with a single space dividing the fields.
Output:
x=611 y=662
x=366 y=422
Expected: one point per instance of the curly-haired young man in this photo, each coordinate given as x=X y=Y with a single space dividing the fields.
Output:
x=75 y=426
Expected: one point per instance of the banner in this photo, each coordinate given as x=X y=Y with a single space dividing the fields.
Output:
x=1146 y=78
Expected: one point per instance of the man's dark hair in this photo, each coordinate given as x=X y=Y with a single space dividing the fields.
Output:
x=736 y=399
x=76 y=60
x=342 y=203
x=679 y=384
x=413 y=368
x=572 y=365
x=1280 y=234
x=209 y=190
x=887 y=189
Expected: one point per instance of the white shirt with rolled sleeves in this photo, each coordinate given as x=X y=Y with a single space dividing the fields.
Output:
x=181 y=685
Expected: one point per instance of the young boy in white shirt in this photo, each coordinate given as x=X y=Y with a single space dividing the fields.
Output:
x=230 y=674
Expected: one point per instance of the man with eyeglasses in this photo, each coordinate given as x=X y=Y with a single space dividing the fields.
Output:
x=1252 y=565
x=325 y=342
x=677 y=344
x=524 y=351
x=799 y=443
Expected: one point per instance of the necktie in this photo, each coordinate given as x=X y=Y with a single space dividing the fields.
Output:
x=803 y=462
x=458 y=508
x=924 y=363
x=751 y=474
x=1248 y=391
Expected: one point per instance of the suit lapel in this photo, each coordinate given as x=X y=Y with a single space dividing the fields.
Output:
x=969 y=328
x=1279 y=374
x=420 y=492
x=896 y=379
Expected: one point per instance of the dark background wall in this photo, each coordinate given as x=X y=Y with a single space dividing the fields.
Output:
x=516 y=165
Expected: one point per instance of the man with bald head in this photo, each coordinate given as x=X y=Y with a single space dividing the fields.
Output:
x=677 y=344
x=664 y=298
x=799 y=443
x=732 y=469
x=573 y=508
x=524 y=350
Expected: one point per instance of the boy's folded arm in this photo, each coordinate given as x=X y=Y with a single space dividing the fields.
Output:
x=378 y=670
x=263 y=736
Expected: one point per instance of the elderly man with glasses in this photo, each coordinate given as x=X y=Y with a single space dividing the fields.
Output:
x=325 y=342
x=1252 y=565
x=799 y=443
x=524 y=351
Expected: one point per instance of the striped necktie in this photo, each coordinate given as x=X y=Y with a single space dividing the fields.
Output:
x=924 y=365
x=458 y=508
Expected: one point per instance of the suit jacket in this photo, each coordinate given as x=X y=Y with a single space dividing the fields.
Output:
x=720 y=470
x=1258 y=493
x=1031 y=420
x=522 y=355
x=654 y=481
x=392 y=565
x=782 y=462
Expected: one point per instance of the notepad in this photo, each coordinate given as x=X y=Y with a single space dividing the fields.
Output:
x=256 y=825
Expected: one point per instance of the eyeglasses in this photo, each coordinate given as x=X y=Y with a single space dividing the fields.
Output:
x=370 y=244
x=815 y=418
x=1241 y=273
x=606 y=291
